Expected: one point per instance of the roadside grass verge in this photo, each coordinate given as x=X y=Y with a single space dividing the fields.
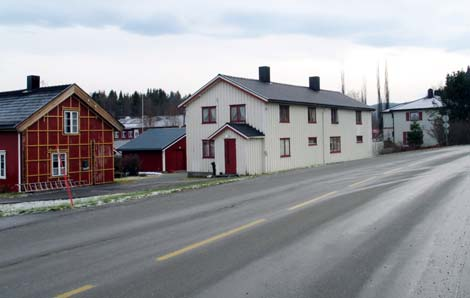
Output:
x=59 y=205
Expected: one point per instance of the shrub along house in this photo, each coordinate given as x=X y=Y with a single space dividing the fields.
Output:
x=159 y=149
x=249 y=126
x=48 y=132
x=424 y=111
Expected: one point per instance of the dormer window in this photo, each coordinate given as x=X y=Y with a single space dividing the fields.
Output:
x=237 y=114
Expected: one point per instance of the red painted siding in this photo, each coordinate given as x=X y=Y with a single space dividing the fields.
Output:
x=176 y=156
x=9 y=143
x=93 y=143
x=150 y=161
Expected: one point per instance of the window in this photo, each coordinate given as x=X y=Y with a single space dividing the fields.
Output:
x=136 y=133
x=405 y=138
x=208 y=149
x=237 y=114
x=85 y=165
x=358 y=117
x=312 y=115
x=3 y=164
x=209 y=115
x=335 y=144
x=70 y=122
x=284 y=114
x=285 y=147
x=312 y=141
x=124 y=134
x=59 y=167
x=116 y=134
x=358 y=139
x=414 y=116
x=334 y=116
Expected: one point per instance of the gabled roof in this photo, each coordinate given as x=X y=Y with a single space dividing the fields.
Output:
x=244 y=130
x=155 y=139
x=20 y=108
x=419 y=104
x=16 y=106
x=285 y=93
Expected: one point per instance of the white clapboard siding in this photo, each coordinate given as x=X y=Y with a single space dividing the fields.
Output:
x=221 y=95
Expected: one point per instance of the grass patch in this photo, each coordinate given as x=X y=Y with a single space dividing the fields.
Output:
x=59 y=205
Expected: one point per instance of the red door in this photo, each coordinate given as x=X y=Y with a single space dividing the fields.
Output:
x=230 y=156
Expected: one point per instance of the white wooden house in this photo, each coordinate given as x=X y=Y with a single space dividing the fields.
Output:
x=249 y=126
x=397 y=120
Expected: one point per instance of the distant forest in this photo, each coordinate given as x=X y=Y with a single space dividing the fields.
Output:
x=157 y=102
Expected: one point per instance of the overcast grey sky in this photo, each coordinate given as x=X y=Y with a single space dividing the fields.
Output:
x=180 y=45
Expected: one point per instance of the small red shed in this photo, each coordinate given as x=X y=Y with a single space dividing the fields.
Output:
x=159 y=149
x=48 y=132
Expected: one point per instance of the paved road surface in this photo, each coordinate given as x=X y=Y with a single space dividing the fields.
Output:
x=393 y=226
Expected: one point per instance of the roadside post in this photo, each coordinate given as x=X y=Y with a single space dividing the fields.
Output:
x=446 y=126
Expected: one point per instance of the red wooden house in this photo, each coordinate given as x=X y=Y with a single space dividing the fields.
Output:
x=159 y=149
x=51 y=131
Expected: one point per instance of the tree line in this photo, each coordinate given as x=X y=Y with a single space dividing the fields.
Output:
x=157 y=102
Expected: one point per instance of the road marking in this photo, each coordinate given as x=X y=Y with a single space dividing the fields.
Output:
x=76 y=291
x=360 y=182
x=209 y=240
x=392 y=171
x=312 y=200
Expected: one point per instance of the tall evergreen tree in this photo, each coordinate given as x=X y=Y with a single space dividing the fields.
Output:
x=387 y=91
x=379 y=100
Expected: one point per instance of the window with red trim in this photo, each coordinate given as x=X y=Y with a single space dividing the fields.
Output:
x=284 y=114
x=405 y=138
x=209 y=115
x=208 y=149
x=334 y=116
x=312 y=141
x=335 y=144
x=312 y=115
x=237 y=114
x=358 y=117
x=285 y=147
x=359 y=139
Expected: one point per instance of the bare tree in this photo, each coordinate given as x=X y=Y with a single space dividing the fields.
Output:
x=343 y=87
x=379 y=100
x=354 y=94
x=387 y=91
x=364 y=90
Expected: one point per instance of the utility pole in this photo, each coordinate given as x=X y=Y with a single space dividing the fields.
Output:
x=142 y=98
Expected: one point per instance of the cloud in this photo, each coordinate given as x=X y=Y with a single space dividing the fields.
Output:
x=370 y=22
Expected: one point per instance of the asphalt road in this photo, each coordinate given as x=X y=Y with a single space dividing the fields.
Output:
x=392 y=226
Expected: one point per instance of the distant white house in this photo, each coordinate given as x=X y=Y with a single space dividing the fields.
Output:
x=397 y=120
x=253 y=126
x=133 y=126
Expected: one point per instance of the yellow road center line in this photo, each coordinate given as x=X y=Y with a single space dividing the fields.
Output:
x=360 y=182
x=209 y=240
x=312 y=200
x=76 y=291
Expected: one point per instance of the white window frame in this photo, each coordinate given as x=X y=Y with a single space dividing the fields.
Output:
x=58 y=171
x=69 y=126
x=3 y=164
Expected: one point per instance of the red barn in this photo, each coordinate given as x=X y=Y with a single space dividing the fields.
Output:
x=51 y=131
x=159 y=149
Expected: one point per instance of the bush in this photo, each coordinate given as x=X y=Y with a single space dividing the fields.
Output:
x=415 y=135
x=459 y=133
x=130 y=164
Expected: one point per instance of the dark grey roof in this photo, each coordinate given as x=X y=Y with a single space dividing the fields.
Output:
x=291 y=94
x=246 y=129
x=154 y=139
x=16 y=106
